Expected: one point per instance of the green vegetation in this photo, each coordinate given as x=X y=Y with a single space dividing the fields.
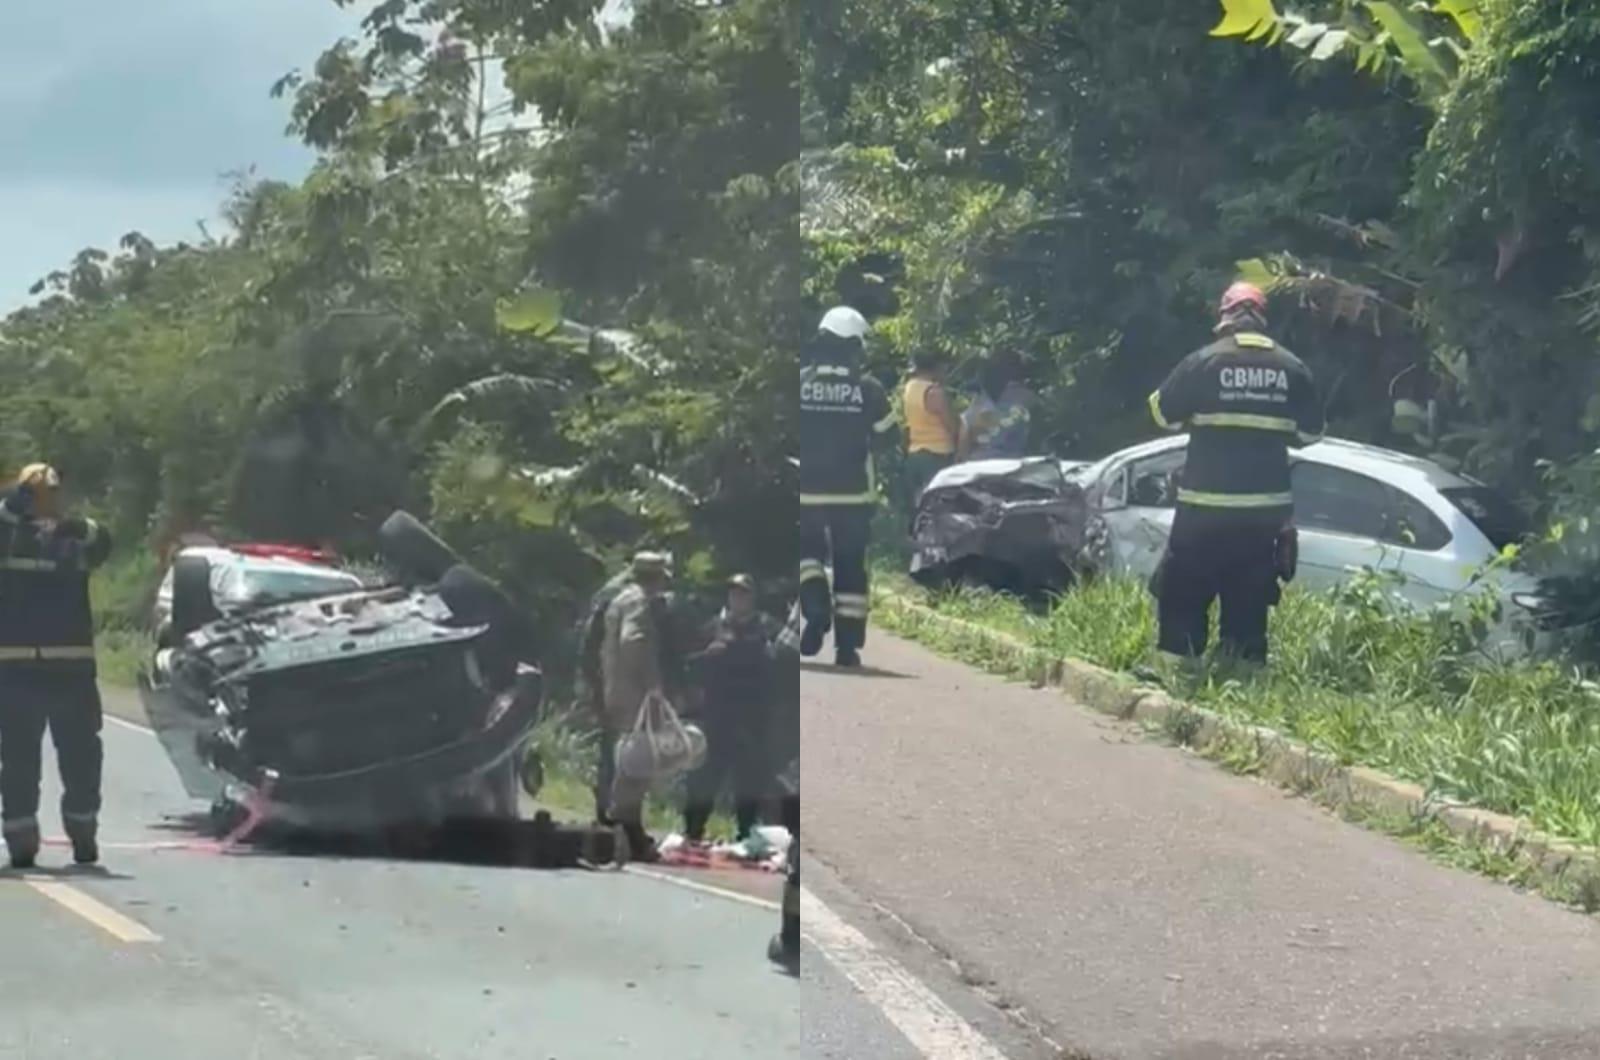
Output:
x=414 y=323
x=1077 y=182
x=1356 y=677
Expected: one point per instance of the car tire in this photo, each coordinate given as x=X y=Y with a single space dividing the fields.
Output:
x=192 y=603
x=413 y=550
x=475 y=600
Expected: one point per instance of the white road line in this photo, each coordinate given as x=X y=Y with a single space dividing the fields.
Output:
x=126 y=724
x=703 y=888
x=933 y=1027
x=113 y=923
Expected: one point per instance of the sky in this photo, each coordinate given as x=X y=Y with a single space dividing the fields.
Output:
x=118 y=115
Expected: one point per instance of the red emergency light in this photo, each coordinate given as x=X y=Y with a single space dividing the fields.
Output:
x=303 y=553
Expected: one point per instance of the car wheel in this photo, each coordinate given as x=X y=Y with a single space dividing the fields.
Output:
x=476 y=601
x=413 y=550
x=192 y=603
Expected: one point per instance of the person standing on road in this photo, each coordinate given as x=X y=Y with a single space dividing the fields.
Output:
x=736 y=673
x=47 y=666
x=995 y=425
x=591 y=680
x=932 y=426
x=841 y=411
x=784 y=947
x=1244 y=399
x=633 y=665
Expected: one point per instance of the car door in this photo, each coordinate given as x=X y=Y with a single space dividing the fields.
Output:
x=1139 y=503
x=1344 y=522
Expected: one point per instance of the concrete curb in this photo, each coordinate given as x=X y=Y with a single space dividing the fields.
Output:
x=1281 y=760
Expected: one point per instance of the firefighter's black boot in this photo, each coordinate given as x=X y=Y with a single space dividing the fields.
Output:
x=22 y=841
x=85 y=840
x=811 y=639
x=847 y=657
x=784 y=954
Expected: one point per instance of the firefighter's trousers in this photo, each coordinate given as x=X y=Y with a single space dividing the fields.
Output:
x=65 y=700
x=790 y=932
x=838 y=533
x=1219 y=552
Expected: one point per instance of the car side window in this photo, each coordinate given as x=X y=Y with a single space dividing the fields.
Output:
x=1412 y=525
x=1339 y=502
x=1153 y=482
x=1116 y=495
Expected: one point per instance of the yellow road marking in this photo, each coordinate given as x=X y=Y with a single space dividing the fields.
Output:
x=703 y=888
x=102 y=916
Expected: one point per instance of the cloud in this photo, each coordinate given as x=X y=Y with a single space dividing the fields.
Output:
x=117 y=116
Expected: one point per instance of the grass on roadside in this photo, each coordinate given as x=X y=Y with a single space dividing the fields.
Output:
x=1356 y=676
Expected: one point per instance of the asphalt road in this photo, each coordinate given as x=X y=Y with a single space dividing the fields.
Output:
x=181 y=954
x=1124 y=899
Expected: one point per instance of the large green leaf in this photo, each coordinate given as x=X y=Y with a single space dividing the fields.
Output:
x=1469 y=18
x=1246 y=18
x=1258 y=272
x=1409 y=40
x=537 y=312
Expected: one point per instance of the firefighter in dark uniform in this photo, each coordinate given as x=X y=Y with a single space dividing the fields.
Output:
x=1244 y=400
x=47 y=668
x=841 y=412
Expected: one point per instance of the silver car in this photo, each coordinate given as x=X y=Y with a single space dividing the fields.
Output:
x=1357 y=507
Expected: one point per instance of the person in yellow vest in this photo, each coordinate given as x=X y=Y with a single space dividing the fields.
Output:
x=932 y=426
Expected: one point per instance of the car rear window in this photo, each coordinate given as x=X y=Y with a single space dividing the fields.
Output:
x=1502 y=522
x=295 y=584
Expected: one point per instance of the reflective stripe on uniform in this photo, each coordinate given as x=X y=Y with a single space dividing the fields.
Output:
x=20 y=824
x=1254 y=341
x=850 y=605
x=817 y=500
x=22 y=563
x=1155 y=411
x=813 y=570
x=1202 y=499
x=1250 y=420
x=70 y=651
x=886 y=424
x=84 y=818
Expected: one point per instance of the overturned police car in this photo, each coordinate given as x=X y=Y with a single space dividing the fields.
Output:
x=405 y=702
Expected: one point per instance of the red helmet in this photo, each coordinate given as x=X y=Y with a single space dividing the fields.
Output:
x=1242 y=294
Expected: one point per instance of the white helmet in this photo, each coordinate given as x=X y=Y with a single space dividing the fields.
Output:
x=845 y=323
